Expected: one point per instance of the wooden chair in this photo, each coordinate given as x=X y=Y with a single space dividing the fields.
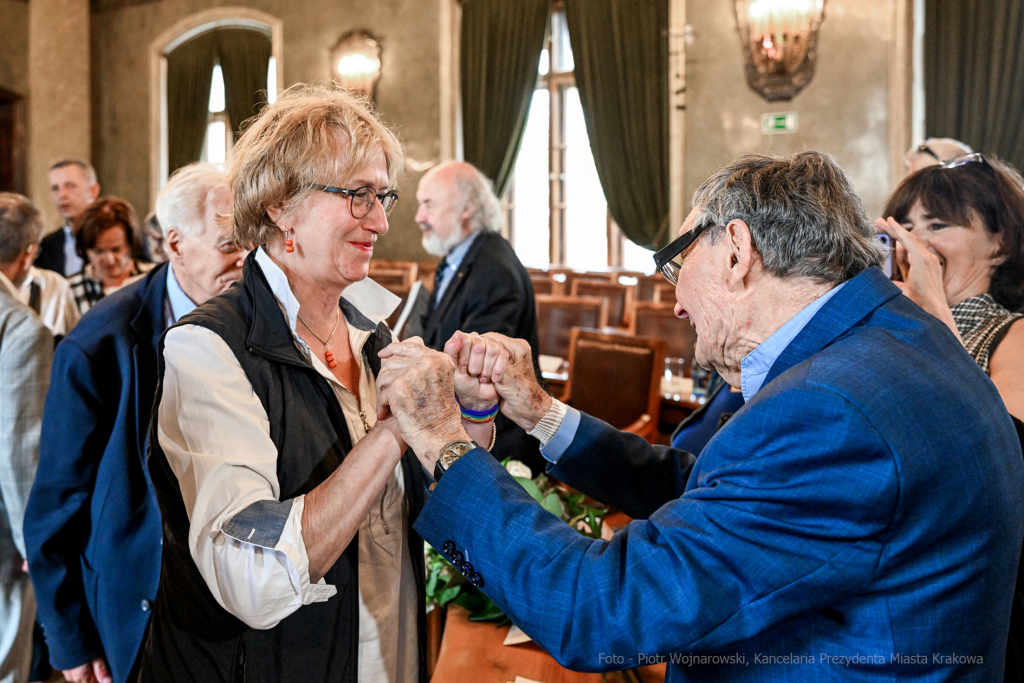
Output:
x=394 y=274
x=659 y=321
x=620 y=298
x=646 y=286
x=664 y=293
x=544 y=285
x=557 y=315
x=616 y=377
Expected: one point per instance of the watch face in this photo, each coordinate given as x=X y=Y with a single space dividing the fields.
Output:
x=454 y=451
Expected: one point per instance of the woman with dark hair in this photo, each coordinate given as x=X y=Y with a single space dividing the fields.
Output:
x=959 y=234
x=108 y=239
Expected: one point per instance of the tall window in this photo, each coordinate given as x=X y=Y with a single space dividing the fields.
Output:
x=219 y=136
x=557 y=208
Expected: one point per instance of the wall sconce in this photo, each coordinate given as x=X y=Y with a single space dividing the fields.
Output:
x=779 y=39
x=355 y=62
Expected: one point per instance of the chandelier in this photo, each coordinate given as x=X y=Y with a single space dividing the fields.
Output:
x=356 y=62
x=779 y=44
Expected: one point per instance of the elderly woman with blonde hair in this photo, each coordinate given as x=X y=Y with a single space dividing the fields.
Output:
x=288 y=551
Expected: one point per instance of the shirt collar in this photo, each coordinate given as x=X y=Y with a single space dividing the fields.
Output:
x=181 y=303
x=369 y=298
x=454 y=258
x=755 y=366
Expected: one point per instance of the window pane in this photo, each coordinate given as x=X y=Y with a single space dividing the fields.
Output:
x=532 y=228
x=272 y=80
x=586 y=211
x=545 y=62
x=216 y=142
x=564 y=49
x=217 y=90
x=635 y=257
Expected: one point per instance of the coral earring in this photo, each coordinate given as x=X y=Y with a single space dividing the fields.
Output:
x=289 y=246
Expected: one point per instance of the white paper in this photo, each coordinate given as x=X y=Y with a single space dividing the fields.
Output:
x=552 y=364
x=516 y=636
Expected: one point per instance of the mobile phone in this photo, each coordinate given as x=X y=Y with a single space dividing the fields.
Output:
x=889 y=252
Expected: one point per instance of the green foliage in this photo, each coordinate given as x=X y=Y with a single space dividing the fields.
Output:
x=445 y=585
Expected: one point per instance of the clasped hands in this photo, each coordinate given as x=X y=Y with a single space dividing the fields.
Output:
x=418 y=387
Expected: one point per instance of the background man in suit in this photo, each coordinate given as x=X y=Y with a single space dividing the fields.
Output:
x=93 y=524
x=26 y=351
x=73 y=187
x=45 y=292
x=480 y=284
x=861 y=511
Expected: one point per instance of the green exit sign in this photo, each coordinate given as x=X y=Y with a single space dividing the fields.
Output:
x=782 y=122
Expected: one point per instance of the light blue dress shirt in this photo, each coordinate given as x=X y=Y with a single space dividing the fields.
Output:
x=452 y=262
x=753 y=370
x=73 y=263
x=179 y=303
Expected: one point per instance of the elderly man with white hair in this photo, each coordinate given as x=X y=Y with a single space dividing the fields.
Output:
x=92 y=527
x=480 y=284
x=932 y=152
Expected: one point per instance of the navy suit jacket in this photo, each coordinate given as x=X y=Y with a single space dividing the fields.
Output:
x=93 y=525
x=859 y=519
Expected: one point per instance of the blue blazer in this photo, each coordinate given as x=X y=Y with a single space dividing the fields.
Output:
x=859 y=519
x=93 y=525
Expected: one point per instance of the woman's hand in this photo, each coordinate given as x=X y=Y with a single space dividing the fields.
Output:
x=921 y=272
x=479 y=365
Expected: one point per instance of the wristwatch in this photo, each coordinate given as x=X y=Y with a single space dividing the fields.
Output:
x=449 y=454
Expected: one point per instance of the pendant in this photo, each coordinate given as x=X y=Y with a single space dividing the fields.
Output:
x=329 y=357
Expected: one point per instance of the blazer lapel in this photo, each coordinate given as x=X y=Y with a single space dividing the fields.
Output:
x=148 y=324
x=861 y=295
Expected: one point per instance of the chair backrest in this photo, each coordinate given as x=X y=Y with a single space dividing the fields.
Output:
x=543 y=284
x=557 y=315
x=614 y=376
x=664 y=292
x=659 y=321
x=620 y=298
x=646 y=286
x=394 y=275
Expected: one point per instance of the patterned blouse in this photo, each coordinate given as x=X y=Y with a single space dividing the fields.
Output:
x=88 y=290
x=982 y=323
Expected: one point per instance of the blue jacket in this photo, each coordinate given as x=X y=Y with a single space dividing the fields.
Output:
x=859 y=519
x=93 y=525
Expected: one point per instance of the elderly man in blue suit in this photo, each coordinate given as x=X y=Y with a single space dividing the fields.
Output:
x=860 y=518
x=93 y=525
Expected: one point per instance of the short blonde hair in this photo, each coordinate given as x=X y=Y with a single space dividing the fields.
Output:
x=313 y=134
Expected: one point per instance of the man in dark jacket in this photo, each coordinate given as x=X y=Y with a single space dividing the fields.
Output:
x=92 y=526
x=480 y=284
x=73 y=187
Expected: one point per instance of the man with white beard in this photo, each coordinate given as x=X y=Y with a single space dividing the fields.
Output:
x=480 y=284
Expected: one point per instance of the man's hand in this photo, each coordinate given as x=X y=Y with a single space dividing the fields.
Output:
x=921 y=271
x=417 y=386
x=95 y=671
x=479 y=364
x=523 y=400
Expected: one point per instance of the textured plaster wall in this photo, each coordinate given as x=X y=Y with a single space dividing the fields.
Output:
x=844 y=110
x=407 y=93
x=14 y=46
x=58 y=93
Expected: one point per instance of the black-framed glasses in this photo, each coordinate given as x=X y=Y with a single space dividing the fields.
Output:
x=964 y=159
x=668 y=260
x=362 y=199
x=925 y=149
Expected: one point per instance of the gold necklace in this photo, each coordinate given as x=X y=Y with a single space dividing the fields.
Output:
x=328 y=354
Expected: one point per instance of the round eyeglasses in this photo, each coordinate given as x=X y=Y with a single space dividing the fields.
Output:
x=362 y=199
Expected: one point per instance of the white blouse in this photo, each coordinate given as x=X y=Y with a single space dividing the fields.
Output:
x=216 y=436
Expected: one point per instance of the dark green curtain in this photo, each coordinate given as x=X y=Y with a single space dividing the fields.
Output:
x=620 y=49
x=244 y=56
x=500 y=49
x=189 y=74
x=974 y=74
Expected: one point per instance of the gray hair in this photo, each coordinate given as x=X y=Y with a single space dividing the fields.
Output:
x=20 y=226
x=477 y=188
x=90 y=172
x=805 y=219
x=182 y=202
